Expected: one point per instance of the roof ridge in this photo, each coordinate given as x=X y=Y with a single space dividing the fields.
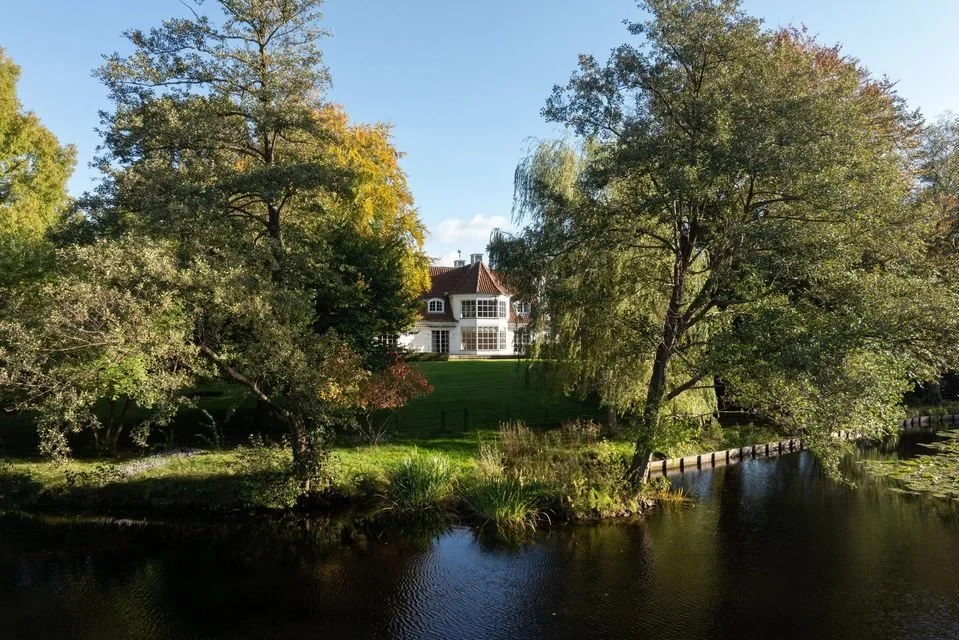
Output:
x=494 y=279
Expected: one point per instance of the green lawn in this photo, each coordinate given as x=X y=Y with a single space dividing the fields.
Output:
x=477 y=395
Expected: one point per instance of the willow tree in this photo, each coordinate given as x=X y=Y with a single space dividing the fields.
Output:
x=222 y=141
x=738 y=206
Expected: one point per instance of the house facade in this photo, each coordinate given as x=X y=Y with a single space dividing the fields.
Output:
x=469 y=312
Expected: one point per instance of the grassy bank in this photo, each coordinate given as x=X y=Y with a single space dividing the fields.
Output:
x=558 y=470
x=514 y=475
x=560 y=467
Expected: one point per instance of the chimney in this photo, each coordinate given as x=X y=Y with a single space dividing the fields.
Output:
x=459 y=263
x=476 y=257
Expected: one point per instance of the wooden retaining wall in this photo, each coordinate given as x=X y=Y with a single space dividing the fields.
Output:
x=929 y=422
x=781 y=447
x=727 y=456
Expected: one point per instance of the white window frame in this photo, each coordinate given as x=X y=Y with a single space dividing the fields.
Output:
x=440 y=341
x=521 y=340
x=390 y=341
x=490 y=308
x=523 y=309
x=483 y=339
x=439 y=303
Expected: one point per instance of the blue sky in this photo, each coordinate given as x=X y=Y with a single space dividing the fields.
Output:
x=461 y=82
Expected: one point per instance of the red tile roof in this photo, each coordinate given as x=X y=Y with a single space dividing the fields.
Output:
x=446 y=281
x=473 y=278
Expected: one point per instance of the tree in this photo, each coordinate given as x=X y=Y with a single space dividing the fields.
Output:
x=105 y=326
x=34 y=169
x=939 y=194
x=740 y=207
x=220 y=141
x=386 y=391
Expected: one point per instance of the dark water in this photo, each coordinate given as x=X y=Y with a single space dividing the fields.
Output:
x=768 y=549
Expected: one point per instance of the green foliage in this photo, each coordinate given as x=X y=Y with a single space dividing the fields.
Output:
x=739 y=205
x=420 y=483
x=214 y=438
x=106 y=325
x=935 y=474
x=505 y=501
x=663 y=493
x=579 y=474
x=96 y=478
x=295 y=236
x=34 y=169
x=267 y=474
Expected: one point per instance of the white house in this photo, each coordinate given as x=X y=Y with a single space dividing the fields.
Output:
x=467 y=311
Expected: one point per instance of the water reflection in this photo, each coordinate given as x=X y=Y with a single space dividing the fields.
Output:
x=767 y=549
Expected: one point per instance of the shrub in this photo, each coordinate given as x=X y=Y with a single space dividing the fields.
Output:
x=419 y=484
x=583 y=431
x=97 y=478
x=505 y=501
x=265 y=470
x=582 y=477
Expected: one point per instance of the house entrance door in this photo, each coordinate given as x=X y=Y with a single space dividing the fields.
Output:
x=441 y=341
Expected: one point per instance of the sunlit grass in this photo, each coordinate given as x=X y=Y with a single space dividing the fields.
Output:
x=504 y=501
x=419 y=483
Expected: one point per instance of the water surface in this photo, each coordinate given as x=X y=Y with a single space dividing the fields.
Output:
x=767 y=549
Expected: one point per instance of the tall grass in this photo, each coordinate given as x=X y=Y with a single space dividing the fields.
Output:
x=504 y=500
x=419 y=483
x=576 y=472
x=663 y=493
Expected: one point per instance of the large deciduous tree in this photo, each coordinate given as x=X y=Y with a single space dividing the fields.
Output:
x=34 y=169
x=221 y=141
x=739 y=205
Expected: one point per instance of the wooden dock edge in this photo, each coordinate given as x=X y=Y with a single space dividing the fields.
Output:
x=778 y=448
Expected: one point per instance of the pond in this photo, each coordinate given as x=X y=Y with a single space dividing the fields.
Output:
x=766 y=549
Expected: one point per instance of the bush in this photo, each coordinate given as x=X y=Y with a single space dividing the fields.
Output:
x=101 y=476
x=420 y=484
x=580 y=475
x=265 y=470
x=505 y=501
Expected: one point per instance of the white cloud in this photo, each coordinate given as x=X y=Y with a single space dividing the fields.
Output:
x=471 y=232
x=446 y=260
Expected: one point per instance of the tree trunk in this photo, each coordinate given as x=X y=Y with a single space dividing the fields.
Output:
x=672 y=333
x=304 y=452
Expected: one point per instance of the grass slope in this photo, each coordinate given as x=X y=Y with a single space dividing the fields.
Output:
x=478 y=395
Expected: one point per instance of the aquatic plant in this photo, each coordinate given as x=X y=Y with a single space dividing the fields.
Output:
x=662 y=491
x=419 y=483
x=935 y=474
x=576 y=475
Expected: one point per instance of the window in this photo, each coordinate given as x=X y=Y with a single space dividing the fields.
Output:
x=441 y=341
x=488 y=308
x=522 y=309
x=484 y=339
x=520 y=340
x=435 y=306
x=389 y=341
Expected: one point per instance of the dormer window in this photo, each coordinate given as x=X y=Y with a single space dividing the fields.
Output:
x=435 y=306
x=522 y=309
